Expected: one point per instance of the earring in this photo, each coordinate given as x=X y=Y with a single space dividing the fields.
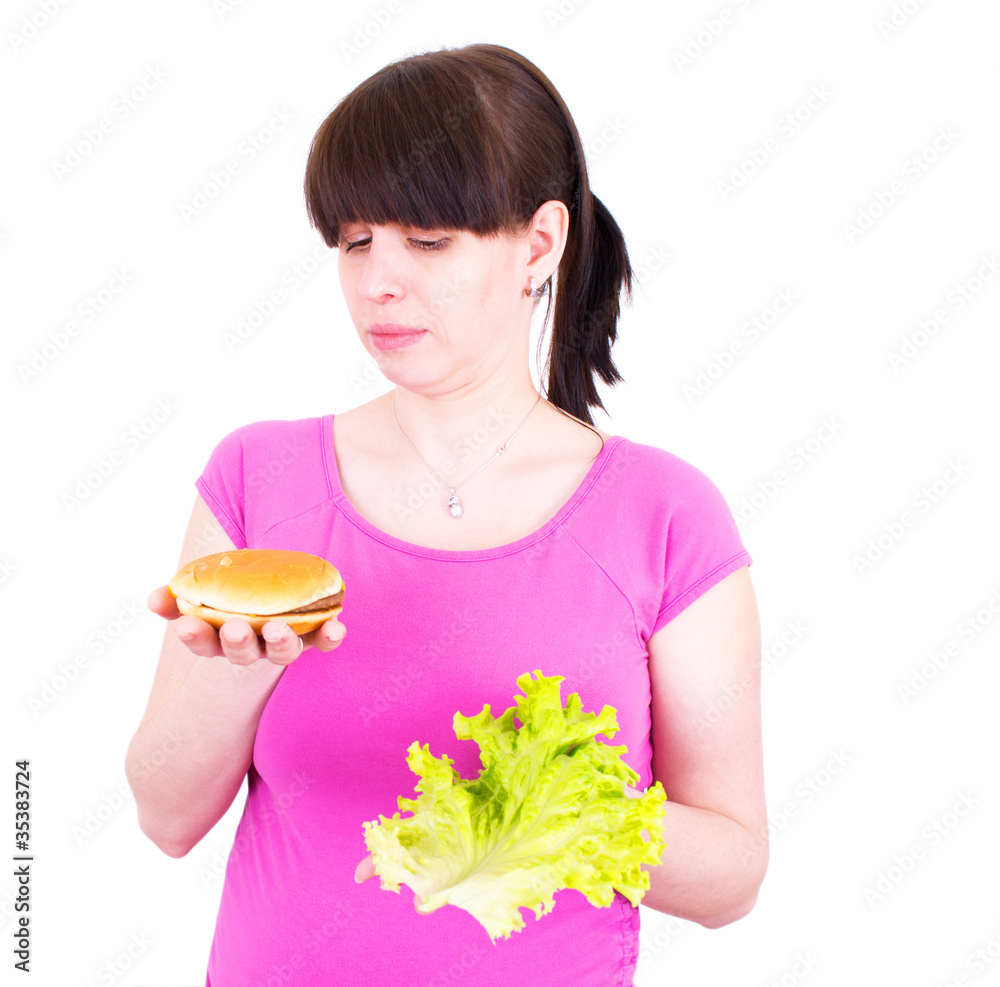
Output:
x=530 y=292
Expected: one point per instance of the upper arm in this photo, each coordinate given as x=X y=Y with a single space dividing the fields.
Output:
x=204 y=536
x=704 y=669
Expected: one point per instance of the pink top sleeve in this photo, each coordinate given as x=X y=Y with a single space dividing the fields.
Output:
x=222 y=486
x=703 y=543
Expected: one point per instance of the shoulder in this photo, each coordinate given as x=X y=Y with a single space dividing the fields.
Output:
x=264 y=450
x=270 y=432
x=672 y=474
x=669 y=499
x=266 y=471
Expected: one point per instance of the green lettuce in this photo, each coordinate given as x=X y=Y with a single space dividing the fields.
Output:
x=548 y=811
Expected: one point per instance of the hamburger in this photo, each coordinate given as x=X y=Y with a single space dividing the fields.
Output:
x=258 y=585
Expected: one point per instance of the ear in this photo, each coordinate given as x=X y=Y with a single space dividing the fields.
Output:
x=546 y=239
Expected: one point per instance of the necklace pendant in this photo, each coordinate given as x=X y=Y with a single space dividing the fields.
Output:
x=454 y=505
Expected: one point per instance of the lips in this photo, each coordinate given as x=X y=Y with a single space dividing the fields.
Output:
x=393 y=329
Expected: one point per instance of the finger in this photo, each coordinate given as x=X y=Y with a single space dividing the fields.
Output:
x=326 y=637
x=197 y=635
x=364 y=870
x=161 y=601
x=634 y=793
x=282 y=643
x=238 y=642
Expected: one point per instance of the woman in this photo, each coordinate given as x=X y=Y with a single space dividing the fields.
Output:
x=483 y=531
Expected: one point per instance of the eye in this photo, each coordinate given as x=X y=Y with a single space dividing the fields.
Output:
x=421 y=244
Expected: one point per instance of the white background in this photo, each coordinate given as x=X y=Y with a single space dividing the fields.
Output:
x=661 y=136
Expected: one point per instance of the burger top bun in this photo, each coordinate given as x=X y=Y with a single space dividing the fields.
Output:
x=260 y=584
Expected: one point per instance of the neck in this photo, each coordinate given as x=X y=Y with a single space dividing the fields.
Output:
x=465 y=426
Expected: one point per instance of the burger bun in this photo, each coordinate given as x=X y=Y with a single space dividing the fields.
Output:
x=300 y=623
x=258 y=585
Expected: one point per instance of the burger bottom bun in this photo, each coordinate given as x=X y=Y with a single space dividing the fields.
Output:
x=300 y=623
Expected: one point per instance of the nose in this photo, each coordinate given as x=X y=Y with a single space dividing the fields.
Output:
x=381 y=271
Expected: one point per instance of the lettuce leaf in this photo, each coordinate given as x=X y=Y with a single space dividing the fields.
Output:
x=548 y=811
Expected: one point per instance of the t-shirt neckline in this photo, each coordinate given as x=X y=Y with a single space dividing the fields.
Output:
x=359 y=520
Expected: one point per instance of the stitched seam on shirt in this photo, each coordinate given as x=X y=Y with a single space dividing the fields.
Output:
x=743 y=553
x=322 y=431
x=295 y=517
x=624 y=595
x=203 y=487
x=325 y=427
x=624 y=934
x=620 y=935
x=422 y=555
x=583 y=494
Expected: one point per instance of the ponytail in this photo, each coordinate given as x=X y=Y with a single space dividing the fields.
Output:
x=591 y=274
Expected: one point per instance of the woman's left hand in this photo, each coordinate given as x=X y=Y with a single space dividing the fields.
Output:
x=366 y=869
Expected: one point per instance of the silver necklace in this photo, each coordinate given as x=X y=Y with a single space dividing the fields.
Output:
x=454 y=504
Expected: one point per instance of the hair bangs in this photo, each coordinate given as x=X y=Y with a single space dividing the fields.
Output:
x=411 y=146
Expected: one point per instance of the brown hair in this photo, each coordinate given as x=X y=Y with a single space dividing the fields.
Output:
x=477 y=138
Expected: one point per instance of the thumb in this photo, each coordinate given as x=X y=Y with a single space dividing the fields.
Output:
x=162 y=602
x=364 y=870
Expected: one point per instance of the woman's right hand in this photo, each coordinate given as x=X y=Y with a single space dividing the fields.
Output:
x=236 y=639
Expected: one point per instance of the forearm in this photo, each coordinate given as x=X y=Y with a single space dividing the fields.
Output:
x=711 y=869
x=187 y=762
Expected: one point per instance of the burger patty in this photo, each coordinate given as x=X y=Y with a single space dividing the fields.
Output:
x=323 y=604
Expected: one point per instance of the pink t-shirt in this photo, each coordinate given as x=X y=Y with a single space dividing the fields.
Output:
x=431 y=632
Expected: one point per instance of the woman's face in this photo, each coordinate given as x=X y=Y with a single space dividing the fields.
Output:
x=462 y=293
